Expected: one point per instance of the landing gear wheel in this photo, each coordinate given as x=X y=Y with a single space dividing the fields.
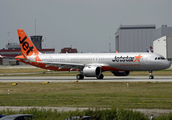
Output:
x=79 y=77
x=100 y=76
x=151 y=76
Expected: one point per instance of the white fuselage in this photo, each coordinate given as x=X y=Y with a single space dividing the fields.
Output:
x=122 y=61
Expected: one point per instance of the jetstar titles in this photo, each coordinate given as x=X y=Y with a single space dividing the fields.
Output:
x=123 y=59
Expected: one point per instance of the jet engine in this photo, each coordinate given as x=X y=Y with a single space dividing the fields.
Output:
x=92 y=71
x=121 y=73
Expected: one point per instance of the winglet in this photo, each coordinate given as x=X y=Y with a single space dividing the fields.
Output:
x=27 y=47
x=147 y=50
x=151 y=49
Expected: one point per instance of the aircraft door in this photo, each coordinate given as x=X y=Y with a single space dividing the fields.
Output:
x=146 y=60
x=67 y=59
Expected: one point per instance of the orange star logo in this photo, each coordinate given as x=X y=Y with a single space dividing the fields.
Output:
x=137 y=58
x=37 y=58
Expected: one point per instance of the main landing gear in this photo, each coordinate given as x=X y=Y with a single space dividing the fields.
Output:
x=80 y=77
x=100 y=76
x=151 y=76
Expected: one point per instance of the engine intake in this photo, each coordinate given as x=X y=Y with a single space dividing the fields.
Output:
x=92 y=71
x=121 y=73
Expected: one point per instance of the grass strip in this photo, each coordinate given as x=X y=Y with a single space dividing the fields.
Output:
x=97 y=114
x=100 y=95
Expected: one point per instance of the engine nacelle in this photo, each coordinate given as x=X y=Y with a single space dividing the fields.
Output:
x=121 y=73
x=92 y=71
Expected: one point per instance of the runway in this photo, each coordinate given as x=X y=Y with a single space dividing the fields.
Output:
x=86 y=79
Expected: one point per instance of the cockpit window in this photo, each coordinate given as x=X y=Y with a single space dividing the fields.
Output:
x=159 y=58
x=162 y=58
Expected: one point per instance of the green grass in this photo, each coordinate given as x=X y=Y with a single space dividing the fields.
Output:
x=97 y=114
x=100 y=95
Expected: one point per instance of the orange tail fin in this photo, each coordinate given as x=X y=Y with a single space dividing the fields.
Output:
x=27 y=47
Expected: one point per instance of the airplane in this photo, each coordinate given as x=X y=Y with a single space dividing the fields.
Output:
x=90 y=64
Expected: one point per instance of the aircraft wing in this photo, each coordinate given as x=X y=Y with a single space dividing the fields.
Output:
x=64 y=65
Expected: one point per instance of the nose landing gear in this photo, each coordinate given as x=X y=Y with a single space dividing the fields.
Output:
x=151 y=76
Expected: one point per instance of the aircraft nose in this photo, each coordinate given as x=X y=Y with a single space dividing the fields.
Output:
x=161 y=65
x=167 y=64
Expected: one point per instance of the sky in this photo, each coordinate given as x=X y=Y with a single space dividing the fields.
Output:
x=88 y=25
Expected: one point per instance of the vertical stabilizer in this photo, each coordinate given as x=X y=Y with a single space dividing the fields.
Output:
x=27 y=47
